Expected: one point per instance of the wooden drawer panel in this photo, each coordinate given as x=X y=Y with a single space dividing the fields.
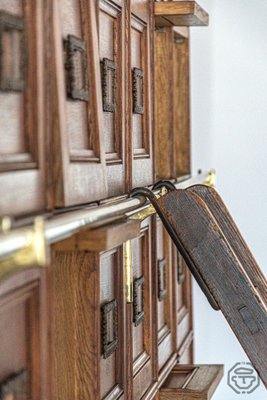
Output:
x=21 y=107
x=183 y=294
x=23 y=338
x=79 y=175
x=112 y=313
x=164 y=294
x=142 y=316
x=112 y=54
x=140 y=102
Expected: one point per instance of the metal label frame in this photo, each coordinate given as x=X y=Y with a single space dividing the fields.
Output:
x=109 y=345
x=162 y=279
x=10 y=23
x=138 y=308
x=109 y=71
x=138 y=90
x=72 y=45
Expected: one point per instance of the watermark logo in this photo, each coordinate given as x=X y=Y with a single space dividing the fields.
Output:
x=243 y=378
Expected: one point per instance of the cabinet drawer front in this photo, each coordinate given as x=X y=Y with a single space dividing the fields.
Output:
x=112 y=59
x=76 y=135
x=21 y=110
x=112 y=310
x=140 y=105
x=142 y=316
x=164 y=294
x=22 y=326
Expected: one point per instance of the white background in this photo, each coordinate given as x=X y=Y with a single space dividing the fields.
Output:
x=229 y=133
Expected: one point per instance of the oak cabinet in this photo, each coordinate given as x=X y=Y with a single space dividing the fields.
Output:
x=22 y=175
x=93 y=102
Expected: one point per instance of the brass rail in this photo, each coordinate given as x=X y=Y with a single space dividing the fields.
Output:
x=27 y=246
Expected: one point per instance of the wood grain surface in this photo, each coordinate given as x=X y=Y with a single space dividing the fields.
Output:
x=206 y=246
x=232 y=234
x=180 y=13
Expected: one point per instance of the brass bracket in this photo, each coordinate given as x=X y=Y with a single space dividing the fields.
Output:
x=128 y=265
x=149 y=209
x=34 y=253
x=211 y=179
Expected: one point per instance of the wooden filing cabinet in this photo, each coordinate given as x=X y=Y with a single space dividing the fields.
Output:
x=83 y=121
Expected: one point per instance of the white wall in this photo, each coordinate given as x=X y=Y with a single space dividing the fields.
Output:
x=229 y=132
